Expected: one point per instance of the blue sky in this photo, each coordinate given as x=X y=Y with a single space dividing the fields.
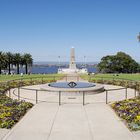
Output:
x=49 y=28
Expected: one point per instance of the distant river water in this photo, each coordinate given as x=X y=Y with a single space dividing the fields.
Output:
x=52 y=69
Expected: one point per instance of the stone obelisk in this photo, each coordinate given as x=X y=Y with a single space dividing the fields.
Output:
x=72 y=64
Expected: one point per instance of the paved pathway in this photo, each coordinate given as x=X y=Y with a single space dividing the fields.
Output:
x=72 y=120
x=3 y=133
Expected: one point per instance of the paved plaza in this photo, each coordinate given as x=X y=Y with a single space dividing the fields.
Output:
x=71 y=121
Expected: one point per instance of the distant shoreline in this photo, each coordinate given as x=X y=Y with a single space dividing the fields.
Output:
x=61 y=63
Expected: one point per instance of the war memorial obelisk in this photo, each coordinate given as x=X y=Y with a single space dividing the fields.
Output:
x=72 y=64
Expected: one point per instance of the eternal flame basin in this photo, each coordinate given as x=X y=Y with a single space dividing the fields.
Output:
x=74 y=87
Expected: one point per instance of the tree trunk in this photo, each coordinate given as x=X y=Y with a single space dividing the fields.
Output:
x=9 y=68
x=17 y=68
x=0 y=70
x=26 y=68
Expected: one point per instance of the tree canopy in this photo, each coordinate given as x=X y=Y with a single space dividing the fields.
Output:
x=119 y=63
x=8 y=59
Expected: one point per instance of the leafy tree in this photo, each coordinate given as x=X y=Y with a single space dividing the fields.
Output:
x=119 y=63
x=2 y=61
x=17 y=60
x=9 y=61
x=27 y=61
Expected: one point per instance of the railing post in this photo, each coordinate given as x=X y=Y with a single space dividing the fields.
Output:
x=59 y=98
x=83 y=98
x=126 y=93
x=18 y=93
x=36 y=96
x=106 y=96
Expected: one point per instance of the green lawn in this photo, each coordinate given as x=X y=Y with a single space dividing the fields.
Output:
x=135 y=77
x=33 y=76
x=84 y=76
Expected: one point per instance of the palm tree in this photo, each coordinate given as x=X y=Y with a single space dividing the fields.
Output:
x=2 y=61
x=27 y=61
x=9 y=59
x=17 y=60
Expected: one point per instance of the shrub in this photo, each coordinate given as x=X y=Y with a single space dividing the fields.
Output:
x=11 y=111
x=129 y=110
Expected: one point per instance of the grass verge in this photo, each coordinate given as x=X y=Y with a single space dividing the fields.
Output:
x=4 y=78
x=133 y=77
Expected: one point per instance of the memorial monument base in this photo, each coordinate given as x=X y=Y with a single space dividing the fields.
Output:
x=72 y=65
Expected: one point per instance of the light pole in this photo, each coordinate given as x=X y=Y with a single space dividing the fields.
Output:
x=59 y=61
x=85 y=61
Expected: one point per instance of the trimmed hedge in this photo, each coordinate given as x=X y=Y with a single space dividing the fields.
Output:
x=124 y=83
x=4 y=86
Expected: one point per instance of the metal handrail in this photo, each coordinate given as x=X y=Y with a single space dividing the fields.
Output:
x=60 y=95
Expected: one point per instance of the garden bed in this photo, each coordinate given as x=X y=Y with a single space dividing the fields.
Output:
x=11 y=111
x=129 y=111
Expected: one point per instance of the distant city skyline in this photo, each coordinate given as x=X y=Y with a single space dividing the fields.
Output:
x=48 y=29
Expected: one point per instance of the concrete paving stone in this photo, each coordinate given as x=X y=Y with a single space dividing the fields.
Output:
x=3 y=133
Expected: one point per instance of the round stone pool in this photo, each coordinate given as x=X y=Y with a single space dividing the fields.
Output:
x=71 y=85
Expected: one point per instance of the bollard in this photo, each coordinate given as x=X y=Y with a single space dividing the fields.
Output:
x=106 y=96
x=36 y=96
x=59 y=98
x=126 y=93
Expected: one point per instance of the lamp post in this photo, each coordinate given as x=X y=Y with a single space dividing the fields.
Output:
x=85 y=61
x=59 y=61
